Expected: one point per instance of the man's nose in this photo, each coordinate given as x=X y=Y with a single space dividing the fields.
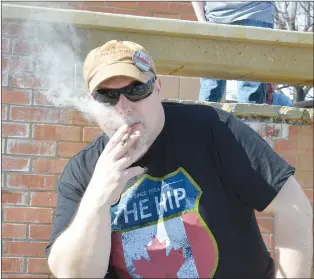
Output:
x=123 y=106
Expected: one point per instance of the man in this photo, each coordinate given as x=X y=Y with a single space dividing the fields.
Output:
x=275 y=98
x=169 y=190
x=258 y=14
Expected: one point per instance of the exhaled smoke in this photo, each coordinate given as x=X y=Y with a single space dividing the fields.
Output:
x=61 y=51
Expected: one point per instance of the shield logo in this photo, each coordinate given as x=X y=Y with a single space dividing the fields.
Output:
x=158 y=231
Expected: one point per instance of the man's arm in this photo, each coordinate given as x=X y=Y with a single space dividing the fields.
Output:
x=83 y=249
x=293 y=231
x=199 y=9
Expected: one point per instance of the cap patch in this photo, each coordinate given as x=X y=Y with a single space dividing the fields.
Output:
x=141 y=61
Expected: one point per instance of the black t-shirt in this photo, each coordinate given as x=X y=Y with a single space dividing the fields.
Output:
x=192 y=214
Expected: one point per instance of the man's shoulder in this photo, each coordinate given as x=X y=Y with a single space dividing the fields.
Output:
x=194 y=111
x=90 y=153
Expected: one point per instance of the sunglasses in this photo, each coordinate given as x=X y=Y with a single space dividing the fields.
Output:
x=134 y=92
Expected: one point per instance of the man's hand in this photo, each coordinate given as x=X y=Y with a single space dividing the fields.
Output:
x=112 y=169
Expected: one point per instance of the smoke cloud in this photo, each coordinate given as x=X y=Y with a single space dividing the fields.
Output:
x=59 y=59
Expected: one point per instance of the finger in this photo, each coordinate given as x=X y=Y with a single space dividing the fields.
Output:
x=132 y=172
x=116 y=138
x=124 y=146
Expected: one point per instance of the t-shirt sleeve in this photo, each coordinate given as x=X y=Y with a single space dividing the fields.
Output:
x=246 y=162
x=69 y=194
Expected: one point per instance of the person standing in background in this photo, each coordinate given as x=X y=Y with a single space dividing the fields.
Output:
x=258 y=14
x=276 y=98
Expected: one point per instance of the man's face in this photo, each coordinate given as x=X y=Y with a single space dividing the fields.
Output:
x=146 y=116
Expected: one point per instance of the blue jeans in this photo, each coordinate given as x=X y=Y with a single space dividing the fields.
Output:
x=212 y=90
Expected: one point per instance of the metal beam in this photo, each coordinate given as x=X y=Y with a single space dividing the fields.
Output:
x=194 y=49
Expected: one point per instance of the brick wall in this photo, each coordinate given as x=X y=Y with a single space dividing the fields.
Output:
x=38 y=139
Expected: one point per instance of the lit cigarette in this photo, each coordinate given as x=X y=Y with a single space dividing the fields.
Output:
x=125 y=138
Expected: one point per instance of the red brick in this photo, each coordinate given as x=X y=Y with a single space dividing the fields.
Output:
x=31 y=147
x=4 y=63
x=309 y=194
x=13 y=230
x=305 y=162
x=181 y=8
x=69 y=149
x=285 y=146
x=9 y=197
x=15 y=164
x=290 y=159
x=91 y=133
x=29 y=80
x=155 y=6
x=191 y=17
x=56 y=132
x=28 y=214
x=37 y=266
x=66 y=5
x=26 y=249
x=41 y=99
x=44 y=64
x=13 y=96
x=32 y=181
x=175 y=16
x=3 y=145
x=24 y=275
x=93 y=3
x=305 y=178
x=305 y=140
x=293 y=132
x=74 y=117
x=44 y=199
x=5 y=78
x=306 y=131
x=4 y=112
x=132 y=12
x=21 y=63
x=26 y=46
x=49 y=115
x=5 y=45
x=265 y=225
x=49 y=165
x=18 y=130
x=91 y=8
x=122 y=4
x=12 y=264
x=40 y=232
x=20 y=30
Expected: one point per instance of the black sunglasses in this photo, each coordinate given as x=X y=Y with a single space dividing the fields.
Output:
x=134 y=92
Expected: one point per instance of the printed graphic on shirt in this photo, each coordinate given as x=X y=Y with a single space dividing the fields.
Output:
x=158 y=231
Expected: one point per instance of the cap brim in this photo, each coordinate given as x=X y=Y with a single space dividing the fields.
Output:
x=118 y=69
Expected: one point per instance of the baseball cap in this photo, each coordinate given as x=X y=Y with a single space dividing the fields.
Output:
x=117 y=58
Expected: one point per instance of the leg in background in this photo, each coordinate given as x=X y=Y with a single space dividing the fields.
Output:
x=212 y=90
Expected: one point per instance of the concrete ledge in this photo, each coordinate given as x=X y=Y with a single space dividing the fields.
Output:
x=187 y=48
x=265 y=112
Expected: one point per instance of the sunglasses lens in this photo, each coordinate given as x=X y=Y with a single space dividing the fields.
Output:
x=105 y=97
x=134 y=92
